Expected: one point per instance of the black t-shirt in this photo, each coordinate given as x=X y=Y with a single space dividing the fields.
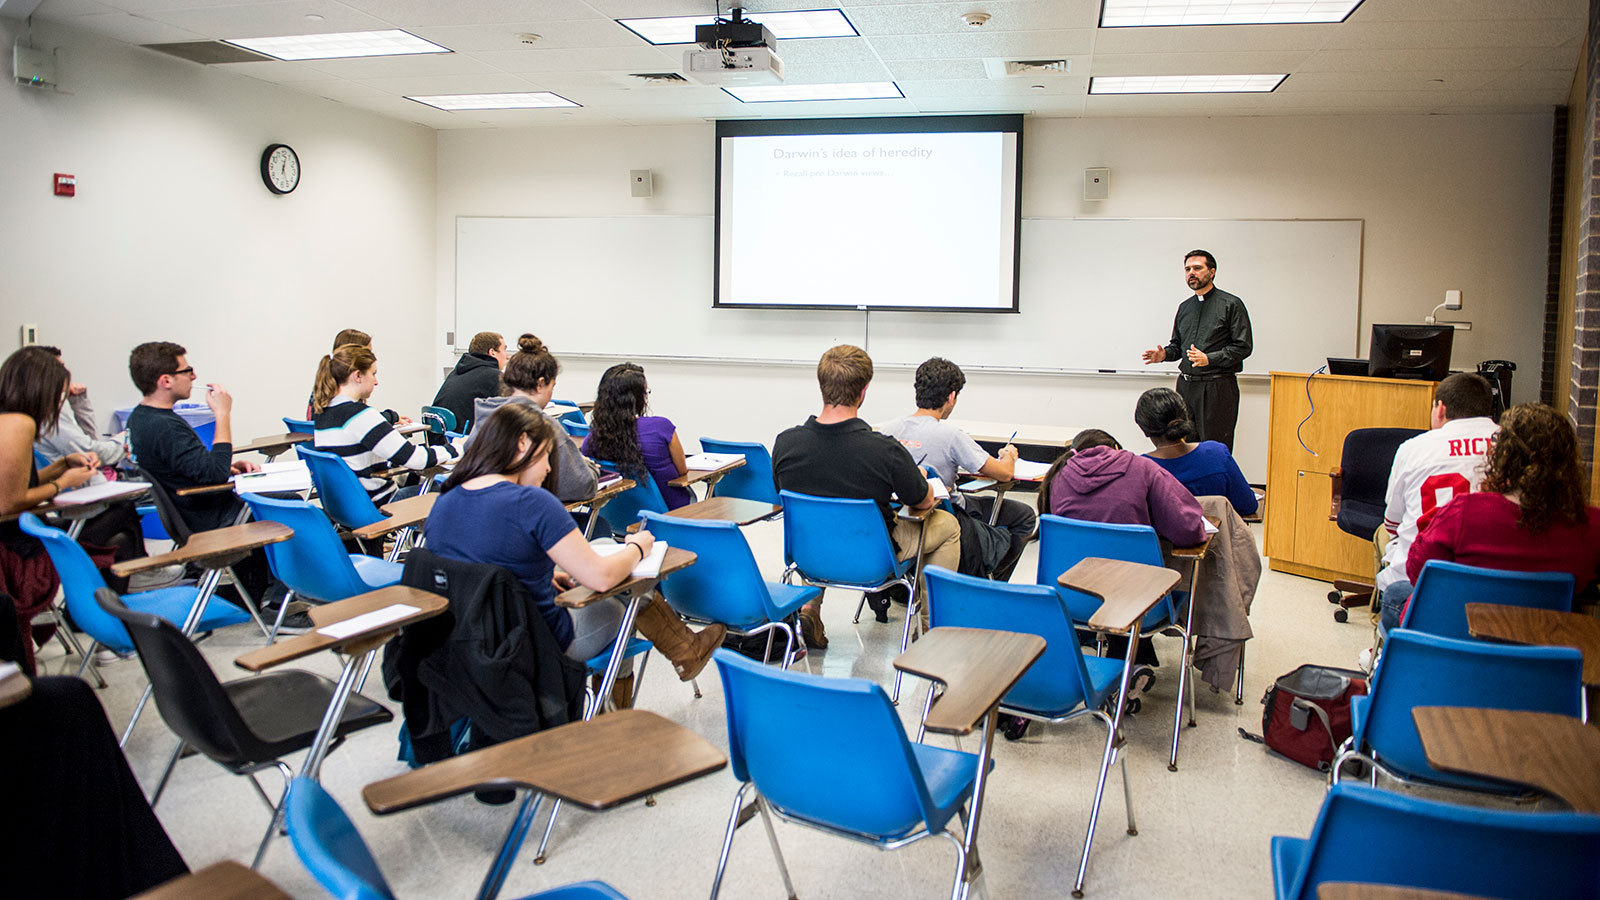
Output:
x=167 y=449
x=847 y=459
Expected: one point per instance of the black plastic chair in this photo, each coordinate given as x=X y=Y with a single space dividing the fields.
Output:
x=244 y=726
x=1360 y=493
x=177 y=528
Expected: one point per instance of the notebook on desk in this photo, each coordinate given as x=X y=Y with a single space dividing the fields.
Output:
x=649 y=567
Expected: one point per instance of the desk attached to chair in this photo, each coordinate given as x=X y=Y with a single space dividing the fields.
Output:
x=1557 y=755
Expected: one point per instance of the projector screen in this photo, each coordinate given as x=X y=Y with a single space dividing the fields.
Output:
x=906 y=213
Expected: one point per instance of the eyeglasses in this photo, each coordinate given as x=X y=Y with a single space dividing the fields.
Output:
x=186 y=370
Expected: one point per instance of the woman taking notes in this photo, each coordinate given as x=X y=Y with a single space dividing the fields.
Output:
x=497 y=507
x=620 y=433
x=363 y=437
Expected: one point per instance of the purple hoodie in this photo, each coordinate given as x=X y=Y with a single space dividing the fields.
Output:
x=1121 y=488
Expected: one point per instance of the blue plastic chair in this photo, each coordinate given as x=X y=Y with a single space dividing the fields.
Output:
x=80 y=579
x=570 y=412
x=333 y=852
x=343 y=498
x=576 y=429
x=1064 y=542
x=1376 y=837
x=628 y=507
x=313 y=563
x=1062 y=685
x=438 y=419
x=751 y=481
x=844 y=543
x=1439 y=603
x=856 y=774
x=724 y=585
x=1419 y=669
x=299 y=426
x=40 y=460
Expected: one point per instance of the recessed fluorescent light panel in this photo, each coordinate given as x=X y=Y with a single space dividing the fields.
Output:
x=533 y=100
x=775 y=93
x=1185 y=84
x=809 y=23
x=339 y=46
x=1145 y=13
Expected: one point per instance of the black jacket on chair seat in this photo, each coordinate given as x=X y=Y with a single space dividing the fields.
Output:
x=490 y=658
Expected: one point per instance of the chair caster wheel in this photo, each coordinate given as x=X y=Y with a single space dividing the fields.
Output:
x=1341 y=615
x=1334 y=596
x=538 y=860
x=1134 y=706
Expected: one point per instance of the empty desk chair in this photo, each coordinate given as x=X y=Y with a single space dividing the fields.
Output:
x=1376 y=837
x=313 y=564
x=753 y=480
x=245 y=725
x=1360 y=495
x=856 y=774
x=724 y=584
x=333 y=852
x=299 y=426
x=625 y=509
x=1438 y=605
x=1419 y=669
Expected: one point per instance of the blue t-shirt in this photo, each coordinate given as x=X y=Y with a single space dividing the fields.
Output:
x=1209 y=470
x=510 y=526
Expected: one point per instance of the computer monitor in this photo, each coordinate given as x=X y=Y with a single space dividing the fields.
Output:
x=1418 y=352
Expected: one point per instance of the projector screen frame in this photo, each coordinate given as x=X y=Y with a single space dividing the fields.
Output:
x=1002 y=122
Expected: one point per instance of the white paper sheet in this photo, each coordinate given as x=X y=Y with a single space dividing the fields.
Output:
x=367 y=621
x=649 y=567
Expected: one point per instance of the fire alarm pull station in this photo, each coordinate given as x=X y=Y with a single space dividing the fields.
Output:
x=66 y=185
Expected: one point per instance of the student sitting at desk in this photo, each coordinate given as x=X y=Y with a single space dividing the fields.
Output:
x=530 y=380
x=986 y=550
x=169 y=452
x=498 y=507
x=620 y=433
x=360 y=435
x=361 y=339
x=1528 y=517
x=1206 y=468
x=477 y=374
x=837 y=454
x=33 y=384
x=78 y=432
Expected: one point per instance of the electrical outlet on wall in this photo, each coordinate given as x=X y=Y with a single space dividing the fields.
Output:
x=30 y=334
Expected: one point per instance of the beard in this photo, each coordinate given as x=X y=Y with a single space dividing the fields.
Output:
x=1197 y=283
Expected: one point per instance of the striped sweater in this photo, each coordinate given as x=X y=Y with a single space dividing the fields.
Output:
x=362 y=437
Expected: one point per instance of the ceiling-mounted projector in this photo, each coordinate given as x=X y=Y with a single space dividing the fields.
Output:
x=734 y=51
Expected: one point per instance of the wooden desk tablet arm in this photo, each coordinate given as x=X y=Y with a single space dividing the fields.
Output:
x=402 y=514
x=205 y=489
x=214 y=549
x=428 y=605
x=976 y=666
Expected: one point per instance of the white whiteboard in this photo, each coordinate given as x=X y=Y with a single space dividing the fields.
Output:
x=1094 y=293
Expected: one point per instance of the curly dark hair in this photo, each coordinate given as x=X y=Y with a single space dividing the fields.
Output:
x=1535 y=456
x=936 y=380
x=614 y=424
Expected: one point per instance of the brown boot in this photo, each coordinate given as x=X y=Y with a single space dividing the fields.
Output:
x=622 y=691
x=688 y=651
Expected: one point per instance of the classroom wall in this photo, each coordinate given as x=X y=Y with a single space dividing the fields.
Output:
x=1450 y=202
x=173 y=236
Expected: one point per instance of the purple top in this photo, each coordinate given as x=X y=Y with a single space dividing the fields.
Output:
x=1121 y=488
x=655 y=443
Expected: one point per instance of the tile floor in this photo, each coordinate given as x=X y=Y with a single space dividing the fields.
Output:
x=1203 y=830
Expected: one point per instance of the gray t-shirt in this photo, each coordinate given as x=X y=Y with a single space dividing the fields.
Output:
x=937 y=443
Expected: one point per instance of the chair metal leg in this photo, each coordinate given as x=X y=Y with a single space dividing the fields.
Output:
x=549 y=826
x=777 y=851
x=137 y=710
x=251 y=605
x=501 y=867
x=1107 y=757
x=959 y=890
x=259 y=792
x=927 y=705
x=734 y=821
x=361 y=680
x=1127 y=796
x=913 y=612
x=277 y=623
x=859 y=607
x=1238 y=691
x=177 y=753
x=1185 y=679
x=277 y=816
x=88 y=660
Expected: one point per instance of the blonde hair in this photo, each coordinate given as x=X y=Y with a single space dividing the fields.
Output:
x=843 y=373
x=335 y=369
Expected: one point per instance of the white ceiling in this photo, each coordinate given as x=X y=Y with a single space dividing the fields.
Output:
x=1390 y=56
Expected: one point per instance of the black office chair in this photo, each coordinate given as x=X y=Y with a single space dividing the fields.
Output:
x=245 y=725
x=1360 y=493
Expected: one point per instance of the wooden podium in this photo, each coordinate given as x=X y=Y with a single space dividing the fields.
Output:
x=1301 y=539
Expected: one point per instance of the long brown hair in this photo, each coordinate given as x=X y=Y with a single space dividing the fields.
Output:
x=1535 y=456
x=493 y=450
x=34 y=382
x=1083 y=440
x=335 y=369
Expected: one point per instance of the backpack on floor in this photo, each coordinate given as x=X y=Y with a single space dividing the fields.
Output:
x=1307 y=715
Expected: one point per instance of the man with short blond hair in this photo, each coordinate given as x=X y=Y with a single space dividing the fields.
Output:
x=837 y=454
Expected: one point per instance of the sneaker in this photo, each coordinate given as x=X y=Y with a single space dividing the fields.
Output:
x=105 y=656
x=811 y=630
x=166 y=576
x=878 y=601
x=296 y=622
x=1365 y=660
x=1013 y=727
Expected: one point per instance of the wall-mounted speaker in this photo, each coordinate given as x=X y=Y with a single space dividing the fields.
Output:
x=1096 y=184
x=642 y=183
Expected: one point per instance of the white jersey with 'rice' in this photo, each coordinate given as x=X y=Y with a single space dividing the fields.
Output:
x=1429 y=470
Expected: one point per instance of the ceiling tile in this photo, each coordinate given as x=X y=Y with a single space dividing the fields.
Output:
x=276 y=71
x=676 y=95
x=1440 y=82
x=816 y=73
x=1454 y=33
x=1015 y=45
x=482 y=83
x=824 y=50
x=931 y=69
x=1527 y=79
x=407 y=13
x=396 y=66
x=643 y=58
x=339 y=89
x=1213 y=38
x=1467 y=10
x=270 y=19
x=62 y=10
x=554 y=35
x=1012 y=89
x=1005 y=15
x=1500 y=59
x=132 y=29
x=1236 y=63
